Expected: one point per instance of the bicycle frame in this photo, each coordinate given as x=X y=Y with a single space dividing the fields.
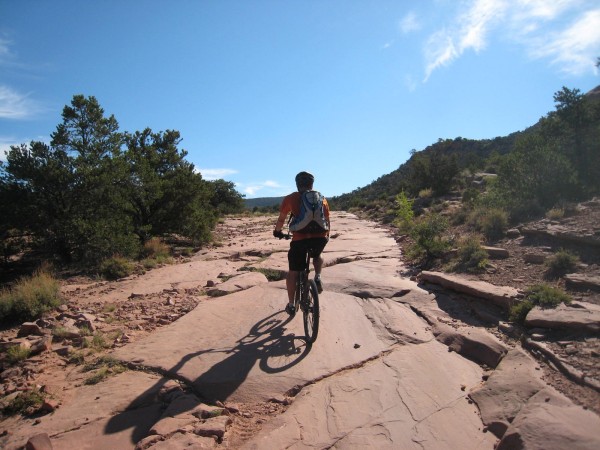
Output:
x=306 y=298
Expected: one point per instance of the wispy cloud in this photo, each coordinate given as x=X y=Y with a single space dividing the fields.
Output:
x=409 y=23
x=273 y=188
x=567 y=32
x=469 y=30
x=216 y=174
x=15 y=105
x=574 y=48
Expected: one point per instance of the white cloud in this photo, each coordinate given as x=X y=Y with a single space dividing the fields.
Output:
x=575 y=48
x=272 y=188
x=468 y=31
x=409 y=23
x=216 y=174
x=14 y=105
x=567 y=32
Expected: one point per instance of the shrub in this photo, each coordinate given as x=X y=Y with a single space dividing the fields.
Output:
x=472 y=257
x=30 y=297
x=104 y=367
x=426 y=193
x=519 y=312
x=490 y=221
x=561 y=263
x=404 y=212
x=115 y=268
x=155 y=248
x=17 y=353
x=547 y=296
x=429 y=241
x=27 y=402
x=470 y=196
x=555 y=213
x=538 y=295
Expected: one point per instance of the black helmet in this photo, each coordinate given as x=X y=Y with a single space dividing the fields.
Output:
x=305 y=179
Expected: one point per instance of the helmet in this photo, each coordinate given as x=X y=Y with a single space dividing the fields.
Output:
x=305 y=179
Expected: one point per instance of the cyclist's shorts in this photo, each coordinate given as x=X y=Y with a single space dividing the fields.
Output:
x=298 y=249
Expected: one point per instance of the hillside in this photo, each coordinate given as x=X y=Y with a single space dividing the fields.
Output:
x=262 y=202
x=465 y=154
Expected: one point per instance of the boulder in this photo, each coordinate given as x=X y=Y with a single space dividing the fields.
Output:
x=534 y=258
x=213 y=427
x=29 y=328
x=503 y=296
x=39 y=442
x=551 y=421
x=579 y=281
x=496 y=253
x=472 y=343
x=581 y=316
x=508 y=388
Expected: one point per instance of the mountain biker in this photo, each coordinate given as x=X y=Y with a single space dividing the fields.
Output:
x=301 y=242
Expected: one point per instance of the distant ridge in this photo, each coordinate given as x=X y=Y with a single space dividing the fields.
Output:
x=261 y=202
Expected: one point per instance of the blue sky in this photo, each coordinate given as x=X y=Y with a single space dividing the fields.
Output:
x=260 y=90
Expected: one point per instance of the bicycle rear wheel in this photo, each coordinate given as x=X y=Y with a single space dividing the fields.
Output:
x=311 y=312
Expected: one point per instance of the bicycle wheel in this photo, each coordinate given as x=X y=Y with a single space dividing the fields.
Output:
x=311 y=312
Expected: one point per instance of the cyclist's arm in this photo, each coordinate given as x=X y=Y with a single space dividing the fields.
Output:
x=284 y=210
x=326 y=210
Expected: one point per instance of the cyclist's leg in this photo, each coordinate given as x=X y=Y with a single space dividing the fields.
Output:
x=297 y=262
x=290 y=283
x=318 y=244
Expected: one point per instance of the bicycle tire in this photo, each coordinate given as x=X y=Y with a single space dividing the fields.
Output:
x=311 y=313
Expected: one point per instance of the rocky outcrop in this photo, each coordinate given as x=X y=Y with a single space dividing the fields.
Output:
x=503 y=296
x=550 y=420
x=508 y=388
x=582 y=317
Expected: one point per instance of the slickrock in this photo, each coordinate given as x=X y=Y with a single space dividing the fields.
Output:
x=550 y=420
x=503 y=296
x=507 y=389
x=579 y=317
x=392 y=367
x=238 y=283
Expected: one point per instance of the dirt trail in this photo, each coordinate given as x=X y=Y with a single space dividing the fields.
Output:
x=214 y=361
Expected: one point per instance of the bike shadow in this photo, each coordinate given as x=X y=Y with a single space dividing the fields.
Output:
x=266 y=343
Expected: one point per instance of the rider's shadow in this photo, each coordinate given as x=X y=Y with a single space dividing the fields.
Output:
x=266 y=343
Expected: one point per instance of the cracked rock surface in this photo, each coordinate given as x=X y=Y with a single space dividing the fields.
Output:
x=394 y=366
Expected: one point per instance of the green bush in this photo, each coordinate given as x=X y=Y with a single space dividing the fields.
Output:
x=30 y=297
x=538 y=295
x=546 y=296
x=17 y=353
x=472 y=257
x=27 y=402
x=429 y=240
x=404 y=212
x=519 y=312
x=115 y=268
x=561 y=263
x=492 y=222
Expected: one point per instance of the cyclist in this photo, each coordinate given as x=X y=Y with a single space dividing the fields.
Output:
x=301 y=242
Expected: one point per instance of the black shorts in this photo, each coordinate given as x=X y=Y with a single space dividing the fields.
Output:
x=298 y=249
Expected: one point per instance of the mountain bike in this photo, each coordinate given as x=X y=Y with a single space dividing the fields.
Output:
x=306 y=298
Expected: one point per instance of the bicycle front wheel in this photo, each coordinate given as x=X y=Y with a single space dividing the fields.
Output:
x=311 y=312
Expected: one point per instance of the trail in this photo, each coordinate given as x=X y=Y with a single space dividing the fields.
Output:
x=236 y=368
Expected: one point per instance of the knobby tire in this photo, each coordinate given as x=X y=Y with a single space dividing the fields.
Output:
x=311 y=313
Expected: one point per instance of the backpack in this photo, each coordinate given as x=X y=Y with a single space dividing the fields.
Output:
x=312 y=214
